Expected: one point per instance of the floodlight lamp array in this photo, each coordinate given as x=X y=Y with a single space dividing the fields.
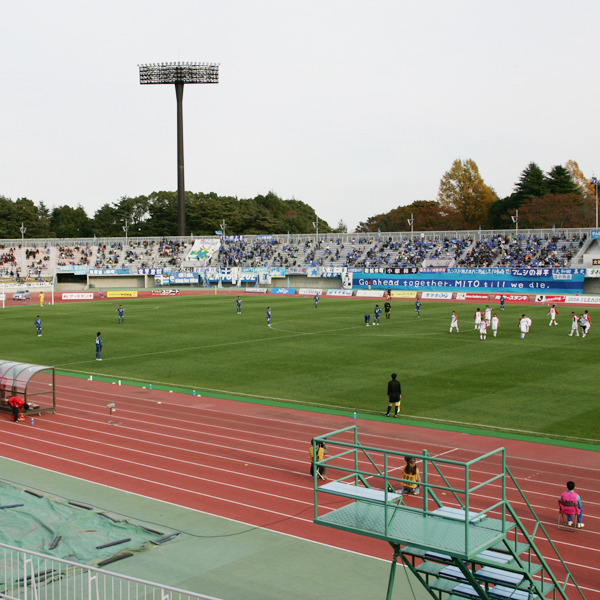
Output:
x=179 y=72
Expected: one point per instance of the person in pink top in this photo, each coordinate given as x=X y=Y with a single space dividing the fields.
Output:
x=571 y=506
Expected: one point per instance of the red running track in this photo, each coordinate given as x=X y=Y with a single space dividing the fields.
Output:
x=249 y=462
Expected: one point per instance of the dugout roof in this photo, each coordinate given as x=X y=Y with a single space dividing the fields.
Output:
x=36 y=383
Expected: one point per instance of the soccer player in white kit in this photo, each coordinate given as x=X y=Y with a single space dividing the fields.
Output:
x=574 y=325
x=586 y=316
x=553 y=312
x=483 y=330
x=488 y=315
x=583 y=325
x=524 y=325
x=477 y=318
x=495 y=323
x=454 y=322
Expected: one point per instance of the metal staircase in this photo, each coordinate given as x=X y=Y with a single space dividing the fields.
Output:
x=461 y=537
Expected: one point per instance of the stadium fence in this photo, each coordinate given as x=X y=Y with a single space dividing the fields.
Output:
x=29 y=575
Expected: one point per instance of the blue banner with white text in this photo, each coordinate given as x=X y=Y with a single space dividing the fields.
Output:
x=553 y=281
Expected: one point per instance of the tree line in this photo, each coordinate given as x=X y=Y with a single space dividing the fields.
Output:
x=562 y=197
x=156 y=215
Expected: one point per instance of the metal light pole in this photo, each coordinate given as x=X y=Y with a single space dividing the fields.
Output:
x=222 y=226
x=316 y=226
x=125 y=229
x=22 y=229
x=179 y=73
x=594 y=182
x=411 y=222
x=515 y=220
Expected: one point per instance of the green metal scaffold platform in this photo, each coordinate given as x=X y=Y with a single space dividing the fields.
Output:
x=460 y=536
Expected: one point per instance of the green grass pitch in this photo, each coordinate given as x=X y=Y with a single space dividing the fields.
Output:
x=546 y=384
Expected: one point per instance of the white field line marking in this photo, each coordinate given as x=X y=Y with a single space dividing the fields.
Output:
x=480 y=426
x=276 y=424
x=203 y=512
x=209 y=346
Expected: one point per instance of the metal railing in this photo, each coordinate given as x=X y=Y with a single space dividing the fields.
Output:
x=300 y=238
x=26 y=575
x=349 y=461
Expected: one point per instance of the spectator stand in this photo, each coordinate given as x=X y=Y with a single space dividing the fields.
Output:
x=75 y=255
x=585 y=252
x=38 y=260
x=36 y=384
x=8 y=263
x=24 y=261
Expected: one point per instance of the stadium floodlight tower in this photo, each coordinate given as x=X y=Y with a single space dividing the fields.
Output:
x=179 y=73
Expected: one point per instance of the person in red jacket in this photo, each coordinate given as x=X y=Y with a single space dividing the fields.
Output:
x=17 y=405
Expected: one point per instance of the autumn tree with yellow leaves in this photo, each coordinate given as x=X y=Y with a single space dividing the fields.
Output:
x=588 y=189
x=463 y=193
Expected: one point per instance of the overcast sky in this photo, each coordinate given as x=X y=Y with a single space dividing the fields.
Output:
x=352 y=107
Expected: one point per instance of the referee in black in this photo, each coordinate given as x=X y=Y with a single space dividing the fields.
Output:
x=394 y=393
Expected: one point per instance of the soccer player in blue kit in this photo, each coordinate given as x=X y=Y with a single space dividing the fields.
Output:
x=316 y=300
x=377 y=314
x=121 y=314
x=367 y=319
x=99 y=346
x=38 y=325
x=268 y=316
x=238 y=305
x=418 y=308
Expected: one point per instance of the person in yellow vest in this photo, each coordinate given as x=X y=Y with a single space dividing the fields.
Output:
x=321 y=451
x=411 y=476
x=41 y=298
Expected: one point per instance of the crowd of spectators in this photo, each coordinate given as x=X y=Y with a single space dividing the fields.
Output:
x=134 y=252
x=368 y=252
x=35 y=261
x=141 y=253
x=40 y=260
x=258 y=253
x=74 y=255
x=362 y=252
x=107 y=257
x=171 y=253
x=8 y=263
x=521 y=251
x=379 y=253
x=7 y=257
